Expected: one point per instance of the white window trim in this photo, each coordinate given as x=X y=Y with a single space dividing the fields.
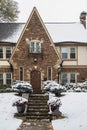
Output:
x=4 y=77
x=62 y=53
x=68 y=53
x=35 y=42
x=68 y=76
x=4 y=51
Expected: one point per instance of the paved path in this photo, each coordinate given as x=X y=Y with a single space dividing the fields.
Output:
x=36 y=125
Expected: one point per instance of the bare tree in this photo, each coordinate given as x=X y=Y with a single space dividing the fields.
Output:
x=8 y=10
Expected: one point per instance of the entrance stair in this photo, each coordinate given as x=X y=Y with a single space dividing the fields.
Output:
x=37 y=107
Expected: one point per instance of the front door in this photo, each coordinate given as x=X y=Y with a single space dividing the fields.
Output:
x=36 y=79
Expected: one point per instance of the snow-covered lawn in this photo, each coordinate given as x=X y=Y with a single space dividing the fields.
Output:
x=7 y=120
x=74 y=107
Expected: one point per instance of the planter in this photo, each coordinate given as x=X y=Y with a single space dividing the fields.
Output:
x=21 y=108
x=53 y=108
x=21 y=104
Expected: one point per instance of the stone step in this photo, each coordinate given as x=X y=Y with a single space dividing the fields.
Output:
x=37 y=113
x=37 y=104
x=37 y=107
x=37 y=100
x=37 y=117
x=39 y=97
x=39 y=110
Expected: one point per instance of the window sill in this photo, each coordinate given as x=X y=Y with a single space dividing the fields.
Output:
x=69 y=59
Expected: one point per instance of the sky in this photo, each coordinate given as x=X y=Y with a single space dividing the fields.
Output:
x=52 y=10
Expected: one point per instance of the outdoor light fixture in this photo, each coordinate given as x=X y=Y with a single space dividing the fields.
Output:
x=35 y=59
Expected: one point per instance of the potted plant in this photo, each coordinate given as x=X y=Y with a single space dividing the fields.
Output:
x=54 y=104
x=21 y=105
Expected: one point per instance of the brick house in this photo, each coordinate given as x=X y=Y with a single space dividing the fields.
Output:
x=34 y=57
x=33 y=51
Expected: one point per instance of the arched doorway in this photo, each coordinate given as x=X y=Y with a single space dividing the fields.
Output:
x=36 y=79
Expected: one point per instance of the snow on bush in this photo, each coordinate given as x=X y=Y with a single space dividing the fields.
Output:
x=76 y=87
x=22 y=86
x=20 y=101
x=54 y=103
x=53 y=86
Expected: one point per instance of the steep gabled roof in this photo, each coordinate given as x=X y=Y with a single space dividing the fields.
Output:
x=35 y=11
x=10 y=32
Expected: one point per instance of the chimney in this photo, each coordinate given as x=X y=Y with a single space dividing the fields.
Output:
x=83 y=18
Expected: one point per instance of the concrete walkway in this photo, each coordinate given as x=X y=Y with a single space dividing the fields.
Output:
x=36 y=125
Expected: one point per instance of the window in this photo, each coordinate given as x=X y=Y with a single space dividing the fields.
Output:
x=35 y=47
x=8 y=52
x=72 y=78
x=1 y=52
x=8 y=78
x=64 y=78
x=21 y=73
x=68 y=78
x=49 y=73
x=68 y=53
x=64 y=53
x=72 y=52
x=1 y=79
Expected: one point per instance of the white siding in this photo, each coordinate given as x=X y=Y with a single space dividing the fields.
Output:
x=70 y=63
x=82 y=55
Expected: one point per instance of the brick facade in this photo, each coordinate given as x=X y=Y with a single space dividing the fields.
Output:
x=23 y=58
x=81 y=73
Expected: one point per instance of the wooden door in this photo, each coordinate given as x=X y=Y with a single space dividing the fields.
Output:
x=36 y=79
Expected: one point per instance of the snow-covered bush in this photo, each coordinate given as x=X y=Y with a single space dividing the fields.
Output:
x=22 y=87
x=53 y=86
x=77 y=87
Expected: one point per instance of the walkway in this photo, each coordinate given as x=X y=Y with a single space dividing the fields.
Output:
x=36 y=125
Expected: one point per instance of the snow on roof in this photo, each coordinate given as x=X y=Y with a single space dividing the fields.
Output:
x=10 y=32
x=67 y=32
x=60 y=32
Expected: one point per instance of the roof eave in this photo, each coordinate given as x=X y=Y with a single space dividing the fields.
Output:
x=70 y=43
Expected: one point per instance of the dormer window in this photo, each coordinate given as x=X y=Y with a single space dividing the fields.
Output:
x=35 y=46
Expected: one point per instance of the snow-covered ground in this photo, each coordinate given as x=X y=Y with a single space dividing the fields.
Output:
x=7 y=120
x=74 y=107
